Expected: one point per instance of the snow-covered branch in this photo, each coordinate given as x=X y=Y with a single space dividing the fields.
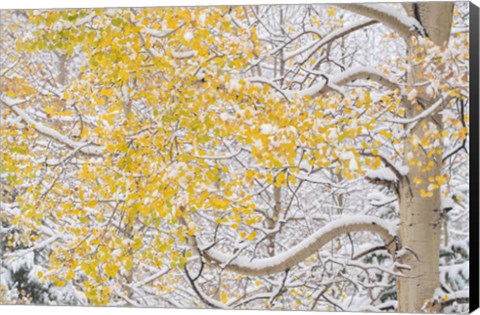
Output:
x=156 y=33
x=364 y=73
x=397 y=21
x=82 y=147
x=332 y=83
x=285 y=94
x=327 y=39
x=40 y=245
x=426 y=113
x=304 y=249
x=218 y=157
x=390 y=173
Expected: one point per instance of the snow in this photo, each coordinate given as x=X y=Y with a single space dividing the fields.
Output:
x=353 y=165
x=355 y=72
x=33 y=274
x=85 y=19
x=267 y=129
x=385 y=174
x=387 y=305
x=226 y=117
x=447 y=115
x=379 y=199
x=183 y=55
x=398 y=15
x=317 y=179
x=422 y=115
x=5 y=277
x=297 y=250
x=203 y=18
x=9 y=209
x=463 y=188
x=287 y=94
x=412 y=95
x=332 y=134
x=16 y=263
x=329 y=37
x=446 y=202
x=188 y=36
x=335 y=81
x=28 y=252
x=403 y=169
x=463 y=268
x=85 y=148
x=257 y=143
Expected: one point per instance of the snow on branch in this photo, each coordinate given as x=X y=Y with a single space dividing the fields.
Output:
x=442 y=300
x=349 y=75
x=391 y=173
x=183 y=55
x=157 y=33
x=365 y=73
x=298 y=253
x=383 y=174
x=426 y=113
x=40 y=245
x=393 y=18
x=328 y=38
x=332 y=83
x=85 y=19
x=285 y=94
x=83 y=148
x=218 y=157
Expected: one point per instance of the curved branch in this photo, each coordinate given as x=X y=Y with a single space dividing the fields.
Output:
x=364 y=73
x=401 y=23
x=81 y=147
x=426 y=113
x=349 y=75
x=304 y=249
x=205 y=299
x=327 y=39
x=315 y=45
x=271 y=84
x=218 y=157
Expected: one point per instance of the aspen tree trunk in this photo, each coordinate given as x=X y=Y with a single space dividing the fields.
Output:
x=420 y=220
x=420 y=226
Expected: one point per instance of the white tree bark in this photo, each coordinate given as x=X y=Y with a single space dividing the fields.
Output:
x=420 y=218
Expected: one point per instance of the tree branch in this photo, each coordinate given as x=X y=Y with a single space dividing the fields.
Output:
x=399 y=22
x=298 y=253
x=327 y=39
x=82 y=147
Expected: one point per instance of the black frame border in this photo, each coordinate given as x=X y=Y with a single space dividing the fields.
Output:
x=474 y=158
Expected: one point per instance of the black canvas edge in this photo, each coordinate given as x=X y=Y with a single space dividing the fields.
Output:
x=474 y=158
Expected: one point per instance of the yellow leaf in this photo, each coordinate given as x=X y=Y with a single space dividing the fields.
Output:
x=252 y=235
x=70 y=275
